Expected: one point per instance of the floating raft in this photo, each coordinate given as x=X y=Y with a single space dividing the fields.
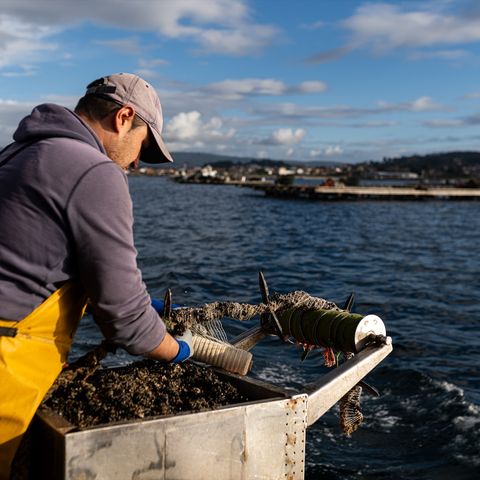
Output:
x=368 y=193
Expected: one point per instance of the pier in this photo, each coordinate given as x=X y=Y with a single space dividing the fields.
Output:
x=342 y=193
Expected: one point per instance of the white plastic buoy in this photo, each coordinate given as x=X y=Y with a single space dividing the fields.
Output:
x=371 y=324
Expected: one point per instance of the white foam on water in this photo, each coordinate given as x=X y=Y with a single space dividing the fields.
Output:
x=474 y=409
x=469 y=422
x=450 y=387
x=464 y=445
x=384 y=418
x=466 y=422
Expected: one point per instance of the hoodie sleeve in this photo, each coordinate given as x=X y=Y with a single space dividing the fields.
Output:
x=100 y=215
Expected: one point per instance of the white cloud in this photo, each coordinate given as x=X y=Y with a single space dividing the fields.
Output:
x=444 y=123
x=440 y=54
x=312 y=87
x=283 y=136
x=190 y=127
x=295 y=111
x=184 y=126
x=384 y=26
x=146 y=73
x=333 y=150
x=219 y=26
x=22 y=40
x=236 y=89
x=241 y=40
x=329 y=151
x=378 y=124
x=424 y=104
x=148 y=68
x=314 y=114
x=22 y=71
x=421 y=104
x=286 y=136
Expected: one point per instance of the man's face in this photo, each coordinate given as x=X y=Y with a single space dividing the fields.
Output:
x=126 y=150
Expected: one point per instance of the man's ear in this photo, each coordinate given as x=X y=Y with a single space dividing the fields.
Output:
x=123 y=118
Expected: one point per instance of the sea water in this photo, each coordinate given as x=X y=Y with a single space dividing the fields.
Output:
x=415 y=264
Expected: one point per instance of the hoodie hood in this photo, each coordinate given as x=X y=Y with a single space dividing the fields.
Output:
x=50 y=120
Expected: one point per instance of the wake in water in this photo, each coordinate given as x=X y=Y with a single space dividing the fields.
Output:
x=420 y=428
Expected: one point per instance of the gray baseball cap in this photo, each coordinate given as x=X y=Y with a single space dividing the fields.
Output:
x=129 y=89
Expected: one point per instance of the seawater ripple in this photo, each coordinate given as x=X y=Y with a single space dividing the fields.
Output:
x=415 y=264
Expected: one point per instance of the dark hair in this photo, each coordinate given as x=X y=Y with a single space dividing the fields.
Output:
x=98 y=107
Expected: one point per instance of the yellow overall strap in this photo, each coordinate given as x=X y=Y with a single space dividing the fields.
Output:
x=32 y=353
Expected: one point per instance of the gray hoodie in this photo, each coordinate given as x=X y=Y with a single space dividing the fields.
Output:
x=66 y=213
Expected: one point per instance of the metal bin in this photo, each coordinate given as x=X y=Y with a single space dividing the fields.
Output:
x=263 y=438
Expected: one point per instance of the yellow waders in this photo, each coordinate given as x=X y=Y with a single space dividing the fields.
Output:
x=32 y=353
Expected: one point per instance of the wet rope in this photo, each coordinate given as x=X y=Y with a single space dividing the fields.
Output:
x=187 y=317
x=206 y=321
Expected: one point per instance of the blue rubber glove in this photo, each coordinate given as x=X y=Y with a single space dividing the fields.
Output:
x=185 y=343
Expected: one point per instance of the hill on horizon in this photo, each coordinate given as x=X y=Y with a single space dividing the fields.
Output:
x=415 y=163
x=453 y=162
x=199 y=159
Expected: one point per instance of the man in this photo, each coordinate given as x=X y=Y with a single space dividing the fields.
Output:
x=66 y=235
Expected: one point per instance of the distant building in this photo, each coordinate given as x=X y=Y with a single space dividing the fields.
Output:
x=285 y=171
x=208 y=171
x=397 y=175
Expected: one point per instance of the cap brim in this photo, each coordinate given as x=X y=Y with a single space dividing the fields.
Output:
x=157 y=151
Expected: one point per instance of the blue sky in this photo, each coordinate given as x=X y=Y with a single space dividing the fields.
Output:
x=338 y=80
